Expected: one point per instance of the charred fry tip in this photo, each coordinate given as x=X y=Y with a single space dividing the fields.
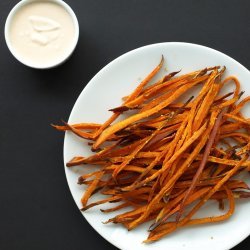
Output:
x=80 y=180
x=188 y=101
x=170 y=75
x=154 y=226
x=175 y=72
x=94 y=149
x=223 y=69
x=241 y=94
x=201 y=73
x=119 y=109
x=65 y=123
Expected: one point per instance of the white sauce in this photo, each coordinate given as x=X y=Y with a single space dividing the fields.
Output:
x=42 y=32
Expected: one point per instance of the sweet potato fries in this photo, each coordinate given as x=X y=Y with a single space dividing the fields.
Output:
x=170 y=153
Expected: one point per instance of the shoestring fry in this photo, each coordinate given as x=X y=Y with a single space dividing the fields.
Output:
x=169 y=156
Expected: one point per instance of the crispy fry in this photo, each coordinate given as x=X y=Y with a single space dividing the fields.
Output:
x=237 y=118
x=78 y=126
x=170 y=227
x=135 y=93
x=91 y=189
x=215 y=125
x=120 y=125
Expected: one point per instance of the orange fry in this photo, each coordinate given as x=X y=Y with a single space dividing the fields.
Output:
x=164 y=158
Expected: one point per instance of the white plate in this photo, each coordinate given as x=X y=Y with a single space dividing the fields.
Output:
x=103 y=92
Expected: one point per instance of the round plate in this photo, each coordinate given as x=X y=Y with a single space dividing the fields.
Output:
x=105 y=91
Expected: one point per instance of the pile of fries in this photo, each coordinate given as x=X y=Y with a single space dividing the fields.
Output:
x=168 y=155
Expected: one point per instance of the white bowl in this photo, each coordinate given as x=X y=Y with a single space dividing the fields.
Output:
x=103 y=92
x=26 y=62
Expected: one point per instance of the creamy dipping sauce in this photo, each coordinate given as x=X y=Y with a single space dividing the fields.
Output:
x=42 y=32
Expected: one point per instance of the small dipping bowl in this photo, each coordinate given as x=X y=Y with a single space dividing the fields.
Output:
x=44 y=42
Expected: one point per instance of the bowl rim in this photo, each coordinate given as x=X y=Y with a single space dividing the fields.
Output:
x=35 y=65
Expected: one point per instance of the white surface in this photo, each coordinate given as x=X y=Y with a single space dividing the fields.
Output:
x=32 y=63
x=103 y=92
